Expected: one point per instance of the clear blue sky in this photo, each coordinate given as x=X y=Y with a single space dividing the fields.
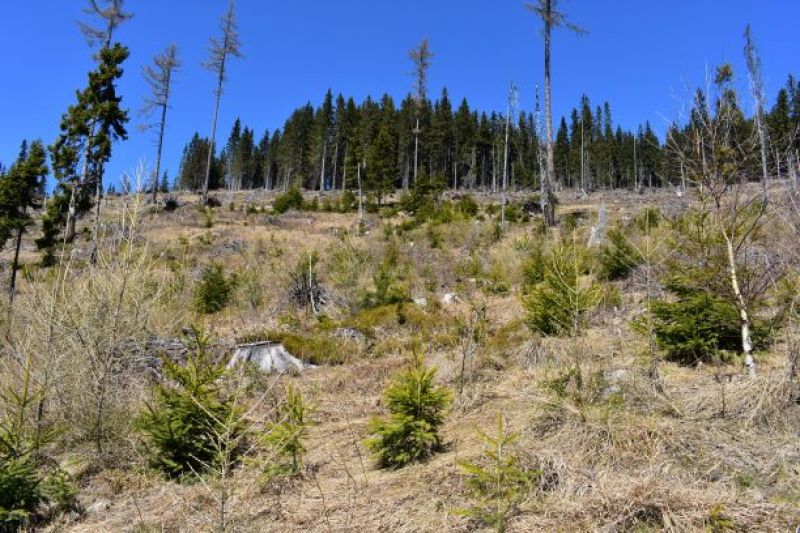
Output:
x=638 y=56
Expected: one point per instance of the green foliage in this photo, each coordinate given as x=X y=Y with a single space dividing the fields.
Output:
x=719 y=522
x=535 y=265
x=700 y=327
x=286 y=436
x=701 y=323
x=191 y=418
x=208 y=216
x=500 y=485
x=425 y=202
x=391 y=286
x=647 y=219
x=291 y=199
x=20 y=492
x=83 y=147
x=416 y=411
x=560 y=303
x=467 y=206
x=19 y=188
x=312 y=347
x=348 y=202
x=214 y=290
x=26 y=482
x=618 y=257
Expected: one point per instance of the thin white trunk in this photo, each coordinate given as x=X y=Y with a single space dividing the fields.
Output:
x=747 y=344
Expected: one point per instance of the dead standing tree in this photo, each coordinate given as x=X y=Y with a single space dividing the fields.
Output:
x=159 y=77
x=757 y=90
x=219 y=52
x=547 y=10
x=421 y=56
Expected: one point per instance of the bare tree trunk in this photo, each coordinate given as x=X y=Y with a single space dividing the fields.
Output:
x=212 y=143
x=505 y=170
x=547 y=193
x=335 y=166
x=344 y=174
x=14 y=267
x=161 y=139
x=747 y=345
x=416 y=150
x=96 y=224
x=322 y=171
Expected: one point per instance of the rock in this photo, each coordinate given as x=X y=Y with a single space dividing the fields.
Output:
x=421 y=301
x=235 y=245
x=269 y=357
x=613 y=379
x=98 y=507
x=350 y=334
x=449 y=298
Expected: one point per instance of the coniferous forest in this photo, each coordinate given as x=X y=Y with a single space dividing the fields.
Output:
x=413 y=315
x=460 y=147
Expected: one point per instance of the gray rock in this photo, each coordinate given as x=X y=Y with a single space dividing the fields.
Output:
x=98 y=507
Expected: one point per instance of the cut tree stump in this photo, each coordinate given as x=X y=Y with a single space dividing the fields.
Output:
x=269 y=357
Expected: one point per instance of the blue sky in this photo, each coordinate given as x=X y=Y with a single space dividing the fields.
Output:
x=638 y=55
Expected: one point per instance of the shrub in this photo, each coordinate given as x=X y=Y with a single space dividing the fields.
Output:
x=208 y=217
x=391 y=286
x=501 y=484
x=467 y=206
x=25 y=482
x=171 y=204
x=213 y=201
x=700 y=327
x=348 y=202
x=649 y=218
x=417 y=408
x=619 y=256
x=20 y=492
x=533 y=269
x=291 y=199
x=286 y=436
x=314 y=348
x=190 y=416
x=560 y=303
x=213 y=292
x=305 y=289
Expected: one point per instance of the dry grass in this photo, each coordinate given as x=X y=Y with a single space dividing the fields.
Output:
x=714 y=450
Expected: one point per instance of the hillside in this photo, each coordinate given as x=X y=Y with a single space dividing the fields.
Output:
x=706 y=449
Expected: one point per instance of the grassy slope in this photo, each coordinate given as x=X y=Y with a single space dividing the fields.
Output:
x=632 y=460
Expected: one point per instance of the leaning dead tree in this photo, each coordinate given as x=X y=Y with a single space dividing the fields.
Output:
x=220 y=50
x=421 y=57
x=547 y=10
x=159 y=77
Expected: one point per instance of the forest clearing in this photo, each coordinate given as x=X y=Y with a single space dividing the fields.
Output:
x=419 y=317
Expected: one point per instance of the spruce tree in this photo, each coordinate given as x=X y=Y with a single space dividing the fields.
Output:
x=19 y=191
x=417 y=407
x=189 y=414
x=79 y=155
